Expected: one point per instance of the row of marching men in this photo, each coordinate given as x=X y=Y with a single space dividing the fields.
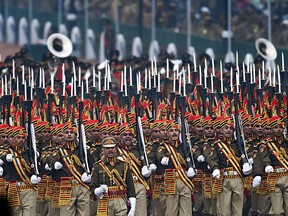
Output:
x=111 y=171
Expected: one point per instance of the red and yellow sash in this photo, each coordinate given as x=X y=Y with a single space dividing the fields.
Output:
x=102 y=209
x=134 y=167
x=278 y=154
x=71 y=168
x=231 y=158
x=19 y=168
x=109 y=173
x=180 y=170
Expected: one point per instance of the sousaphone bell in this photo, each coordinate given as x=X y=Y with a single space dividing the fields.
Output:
x=266 y=49
x=59 y=45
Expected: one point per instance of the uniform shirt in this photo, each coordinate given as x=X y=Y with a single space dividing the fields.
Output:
x=45 y=152
x=75 y=157
x=200 y=148
x=162 y=152
x=268 y=158
x=216 y=158
x=23 y=155
x=100 y=176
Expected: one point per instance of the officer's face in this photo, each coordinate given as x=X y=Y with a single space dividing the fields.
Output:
x=209 y=131
x=258 y=130
x=173 y=134
x=19 y=140
x=248 y=129
x=198 y=130
x=268 y=131
x=127 y=138
x=277 y=130
x=69 y=136
x=4 y=138
x=110 y=152
x=227 y=131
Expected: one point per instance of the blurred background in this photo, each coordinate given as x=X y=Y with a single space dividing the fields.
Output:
x=222 y=25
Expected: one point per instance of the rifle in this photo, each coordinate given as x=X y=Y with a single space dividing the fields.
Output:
x=82 y=140
x=239 y=131
x=31 y=141
x=186 y=145
x=139 y=130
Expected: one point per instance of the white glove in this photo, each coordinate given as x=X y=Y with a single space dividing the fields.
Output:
x=153 y=167
x=86 y=178
x=165 y=161
x=201 y=158
x=47 y=167
x=216 y=173
x=145 y=171
x=247 y=168
x=250 y=160
x=1 y=162
x=58 y=165
x=35 y=179
x=9 y=157
x=99 y=191
x=191 y=172
x=256 y=181
x=268 y=169
x=1 y=171
x=132 y=201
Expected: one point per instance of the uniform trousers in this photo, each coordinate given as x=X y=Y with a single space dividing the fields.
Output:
x=93 y=207
x=264 y=205
x=141 y=199
x=279 y=198
x=79 y=202
x=28 y=203
x=231 y=199
x=117 y=207
x=159 y=204
x=180 y=203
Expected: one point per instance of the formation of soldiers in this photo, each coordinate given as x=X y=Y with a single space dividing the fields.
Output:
x=166 y=144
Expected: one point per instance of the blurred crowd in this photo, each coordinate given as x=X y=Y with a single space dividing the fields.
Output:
x=208 y=17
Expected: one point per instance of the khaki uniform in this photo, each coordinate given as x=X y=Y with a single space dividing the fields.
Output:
x=277 y=181
x=44 y=205
x=22 y=195
x=71 y=194
x=230 y=186
x=178 y=194
x=95 y=150
x=197 y=180
x=260 y=199
x=158 y=194
x=209 y=199
x=114 y=202
x=133 y=157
